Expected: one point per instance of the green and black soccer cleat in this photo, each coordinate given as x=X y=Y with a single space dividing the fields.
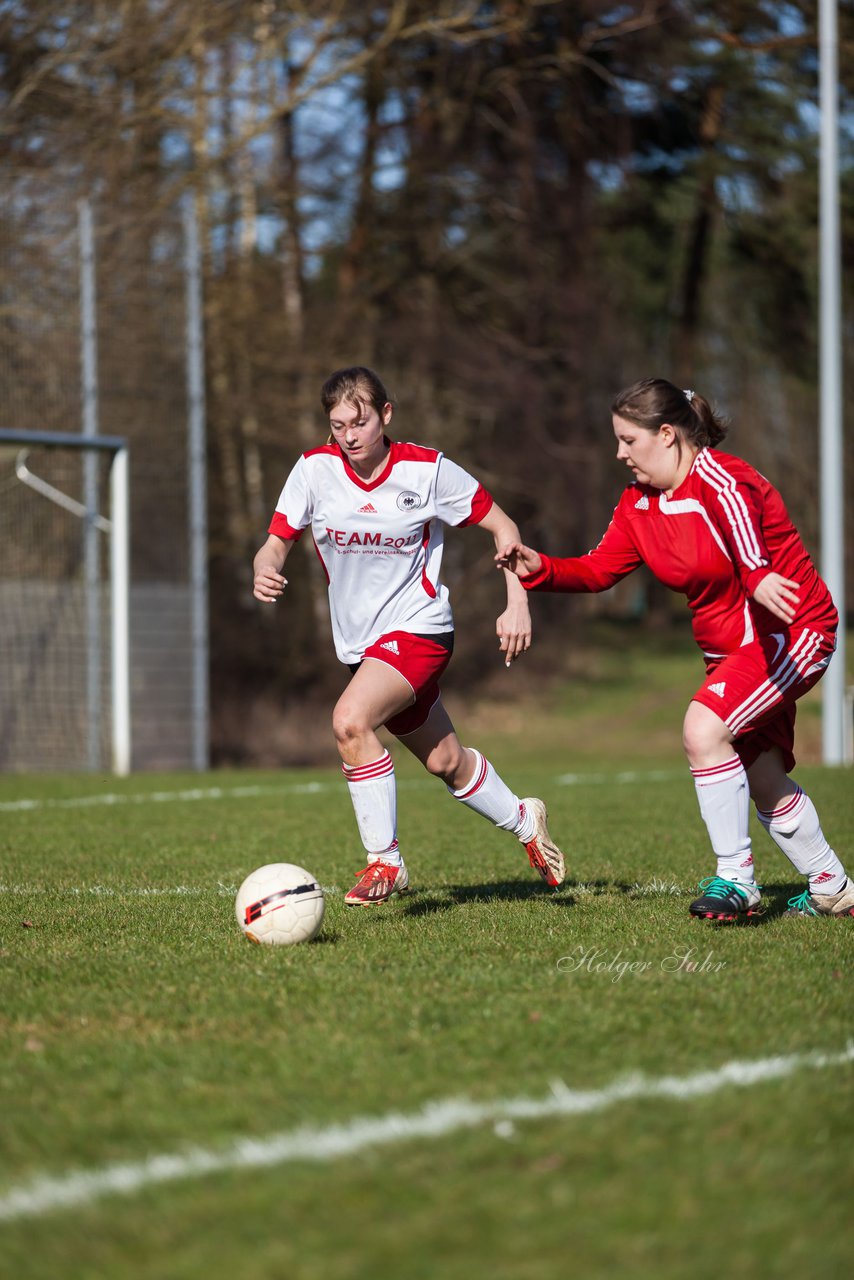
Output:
x=725 y=900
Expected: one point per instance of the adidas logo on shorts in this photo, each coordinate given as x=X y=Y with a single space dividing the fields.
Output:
x=719 y=688
x=392 y=645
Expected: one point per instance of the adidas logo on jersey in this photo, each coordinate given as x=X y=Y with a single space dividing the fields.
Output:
x=642 y=503
x=367 y=508
x=392 y=645
x=718 y=688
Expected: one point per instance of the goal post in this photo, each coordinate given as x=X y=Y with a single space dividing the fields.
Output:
x=37 y=623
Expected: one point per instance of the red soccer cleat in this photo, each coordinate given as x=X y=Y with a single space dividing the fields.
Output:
x=377 y=882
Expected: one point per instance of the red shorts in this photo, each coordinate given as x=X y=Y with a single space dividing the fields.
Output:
x=421 y=661
x=754 y=689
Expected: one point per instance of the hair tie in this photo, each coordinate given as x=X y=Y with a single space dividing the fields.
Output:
x=689 y=395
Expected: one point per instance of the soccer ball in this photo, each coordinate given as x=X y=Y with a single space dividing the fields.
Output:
x=279 y=904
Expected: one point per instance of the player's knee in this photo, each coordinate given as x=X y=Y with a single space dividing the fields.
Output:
x=689 y=738
x=439 y=764
x=703 y=733
x=347 y=725
x=446 y=761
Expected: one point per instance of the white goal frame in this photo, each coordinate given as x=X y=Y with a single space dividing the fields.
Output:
x=118 y=527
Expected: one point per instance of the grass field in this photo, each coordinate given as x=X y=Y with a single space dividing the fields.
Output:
x=178 y=1103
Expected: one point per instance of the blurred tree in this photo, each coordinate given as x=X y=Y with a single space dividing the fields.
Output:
x=511 y=208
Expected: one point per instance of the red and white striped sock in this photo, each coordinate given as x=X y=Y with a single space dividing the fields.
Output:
x=489 y=795
x=724 y=796
x=794 y=827
x=374 y=796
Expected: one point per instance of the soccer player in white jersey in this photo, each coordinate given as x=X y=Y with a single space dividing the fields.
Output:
x=376 y=509
x=709 y=525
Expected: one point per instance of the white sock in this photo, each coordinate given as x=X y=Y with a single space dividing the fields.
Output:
x=723 y=796
x=795 y=828
x=374 y=795
x=489 y=795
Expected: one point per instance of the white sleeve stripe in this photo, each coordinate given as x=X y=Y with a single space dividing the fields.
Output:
x=735 y=507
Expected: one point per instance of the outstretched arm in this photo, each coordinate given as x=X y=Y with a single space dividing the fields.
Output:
x=615 y=556
x=513 y=627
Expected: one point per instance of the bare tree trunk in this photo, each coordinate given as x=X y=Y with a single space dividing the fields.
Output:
x=293 y=287
x=226 y=454
x=247 y=311
x=699 y=240
x=355 y=275
x=293 y=297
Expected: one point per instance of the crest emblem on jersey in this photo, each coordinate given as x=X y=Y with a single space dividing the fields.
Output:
x=408 y=501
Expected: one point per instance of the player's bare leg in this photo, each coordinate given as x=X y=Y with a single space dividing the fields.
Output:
x=471 y=779
x=375 y=694
x=439 y=749
x=720 y=781
x=790 y=818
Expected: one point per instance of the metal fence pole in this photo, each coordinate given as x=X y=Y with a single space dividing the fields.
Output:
x=835 y=738
x=89 y=427
x=197 y=488
x=120 y=600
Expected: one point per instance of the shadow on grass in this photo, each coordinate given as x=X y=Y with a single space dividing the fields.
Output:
x=777 y=896
x=775 y=902
x=431 y=901
x=427 y=902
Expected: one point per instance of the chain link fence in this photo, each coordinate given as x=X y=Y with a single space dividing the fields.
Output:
x=95 y=337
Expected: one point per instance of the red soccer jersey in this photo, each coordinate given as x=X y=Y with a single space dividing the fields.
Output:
x=723 y=530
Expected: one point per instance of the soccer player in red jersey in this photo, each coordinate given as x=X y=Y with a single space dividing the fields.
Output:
x=710 y=526
x=377 y=510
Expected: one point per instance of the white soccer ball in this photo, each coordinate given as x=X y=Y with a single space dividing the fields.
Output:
x=279 y=904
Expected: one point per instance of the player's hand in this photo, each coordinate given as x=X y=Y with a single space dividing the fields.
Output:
x=779 y=595
x=519 y=559
x=513 y=629
x=269 y=585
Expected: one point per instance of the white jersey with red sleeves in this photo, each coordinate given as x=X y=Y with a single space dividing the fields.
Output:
x=719 y=534
x=380 y=543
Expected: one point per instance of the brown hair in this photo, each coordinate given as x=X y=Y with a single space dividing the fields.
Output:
x=357 y=386
x=653 y=401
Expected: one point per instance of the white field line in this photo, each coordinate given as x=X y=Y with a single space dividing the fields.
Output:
x=629 y=775
x=435 y=1120
x=164 y=797
x=108 y=798
x=130 y=891
x=653 y=889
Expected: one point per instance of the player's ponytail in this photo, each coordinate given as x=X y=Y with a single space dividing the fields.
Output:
x=653 y=401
